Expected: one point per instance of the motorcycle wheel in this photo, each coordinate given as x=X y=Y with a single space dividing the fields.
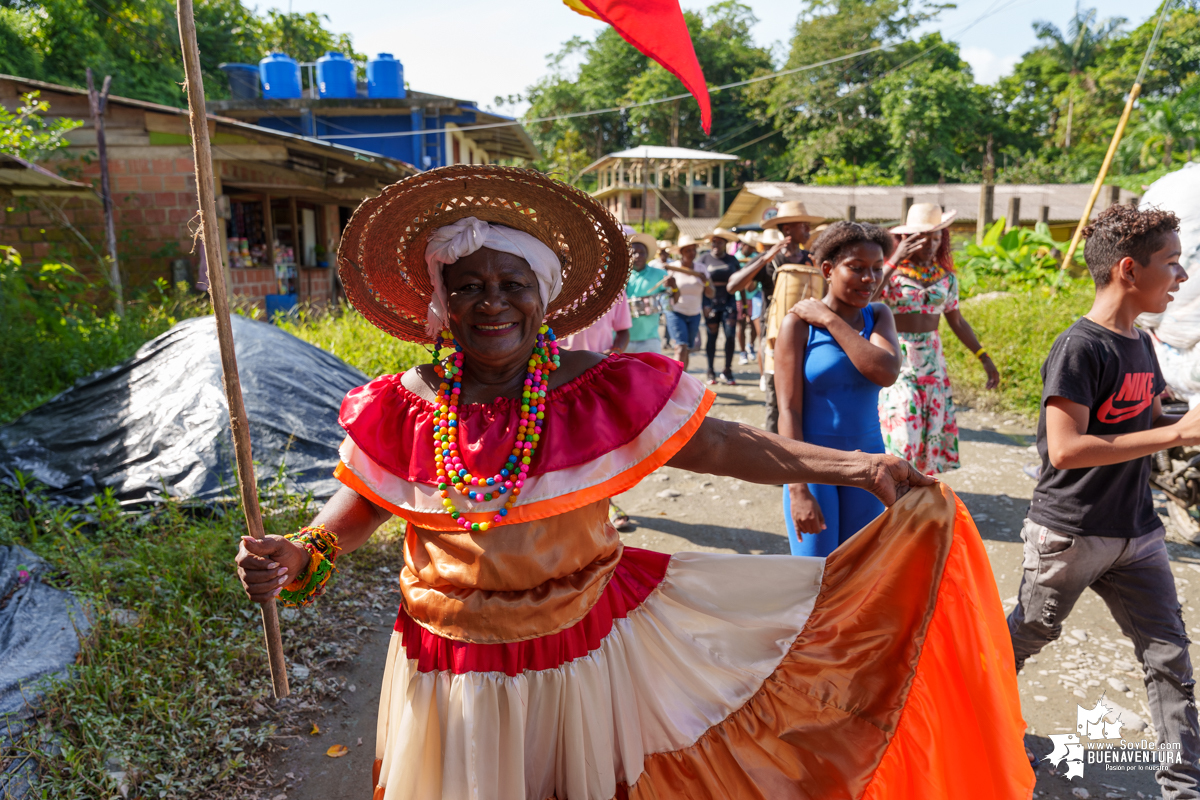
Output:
x=1185 y=524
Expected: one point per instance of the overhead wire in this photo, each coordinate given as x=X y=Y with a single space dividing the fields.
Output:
x=996 y=7
x=616 y=109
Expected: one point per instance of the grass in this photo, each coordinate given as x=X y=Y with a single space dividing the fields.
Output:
x=56 y=327
x=1017 y=330
x=170 y=693
x=347 y=334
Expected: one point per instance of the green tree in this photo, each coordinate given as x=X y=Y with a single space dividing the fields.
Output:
x=607 y=66
x=1076 y=51
x=26 y=134
x=611 y=73
x=17 y=56
x=137 y=42
x=933 y=118
x=1165 y=123
x=832 y=114
x=726 y=51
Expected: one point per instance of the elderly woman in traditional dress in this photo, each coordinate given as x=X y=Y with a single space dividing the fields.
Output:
x=535 y=656
x=920 y=286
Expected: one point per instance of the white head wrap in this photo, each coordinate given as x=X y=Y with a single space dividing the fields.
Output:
x=452 y=242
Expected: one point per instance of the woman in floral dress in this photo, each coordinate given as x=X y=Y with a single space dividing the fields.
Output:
x=916 y=413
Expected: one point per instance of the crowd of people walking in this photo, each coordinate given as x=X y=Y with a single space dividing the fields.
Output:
x=768 y=296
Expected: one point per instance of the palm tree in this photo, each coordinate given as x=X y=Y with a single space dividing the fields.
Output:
x=1077 y=49
x=1167 y=123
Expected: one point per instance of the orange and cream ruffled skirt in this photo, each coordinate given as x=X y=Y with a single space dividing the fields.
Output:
x=883 y=671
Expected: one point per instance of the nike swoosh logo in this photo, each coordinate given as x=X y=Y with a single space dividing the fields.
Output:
x=1109 y=414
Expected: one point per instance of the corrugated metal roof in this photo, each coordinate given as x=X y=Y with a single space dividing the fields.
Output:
x=668 y=153
x=23 y=178
x=697 y=227
x=886 y=203
x=679 y=155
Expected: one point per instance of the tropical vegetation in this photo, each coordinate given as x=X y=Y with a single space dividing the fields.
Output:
x=137 y=42
x=906 y=109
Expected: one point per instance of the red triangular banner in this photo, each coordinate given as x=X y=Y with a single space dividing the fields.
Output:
x=657 y=28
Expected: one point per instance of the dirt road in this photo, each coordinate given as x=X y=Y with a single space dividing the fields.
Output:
x=676 y=511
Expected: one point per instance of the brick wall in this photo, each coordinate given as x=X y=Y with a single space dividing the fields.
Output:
x=154 y=200
x=251 y=285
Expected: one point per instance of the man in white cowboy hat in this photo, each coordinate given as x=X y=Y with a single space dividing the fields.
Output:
x=721 y=311
x=645 y=285
x=804 y=281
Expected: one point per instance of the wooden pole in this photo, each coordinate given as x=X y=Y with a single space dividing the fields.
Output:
x=98 y=102
x=202 y=153
x=987 y=193
x=721 y=186
x=1013 y=218
x=645 y=181
x=1108 y=157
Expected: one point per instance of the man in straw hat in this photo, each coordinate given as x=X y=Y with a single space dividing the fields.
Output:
x=720 y=312
x=646 y=287
x=788 y=268
x=534 y=654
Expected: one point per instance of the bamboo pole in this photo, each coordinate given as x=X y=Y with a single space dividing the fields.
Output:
x=1117 y=134
x=202 y=153
x=1099 y=184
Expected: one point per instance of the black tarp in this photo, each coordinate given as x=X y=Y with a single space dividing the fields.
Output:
x=158 y=423
x=39 y=638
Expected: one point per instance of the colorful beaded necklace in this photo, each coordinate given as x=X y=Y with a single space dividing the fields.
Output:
x=925 y=273
x=452 y=471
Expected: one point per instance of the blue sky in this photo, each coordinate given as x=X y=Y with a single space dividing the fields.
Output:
x=478 y=49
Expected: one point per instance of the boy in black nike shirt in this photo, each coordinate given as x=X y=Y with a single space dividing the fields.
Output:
x=1092 y=521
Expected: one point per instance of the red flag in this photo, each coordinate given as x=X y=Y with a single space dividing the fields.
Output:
x=656 y=28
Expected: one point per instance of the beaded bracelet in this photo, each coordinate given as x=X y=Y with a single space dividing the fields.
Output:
x=980 y=353
x=310 y=584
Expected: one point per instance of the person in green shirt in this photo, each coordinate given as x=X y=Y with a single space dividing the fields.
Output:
x=645 y=287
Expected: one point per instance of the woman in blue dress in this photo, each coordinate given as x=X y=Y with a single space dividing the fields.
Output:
x=832 y=357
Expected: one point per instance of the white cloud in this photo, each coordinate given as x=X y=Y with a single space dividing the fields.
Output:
x=987 y=66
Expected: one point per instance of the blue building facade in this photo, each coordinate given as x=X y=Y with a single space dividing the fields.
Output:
x=423 y=130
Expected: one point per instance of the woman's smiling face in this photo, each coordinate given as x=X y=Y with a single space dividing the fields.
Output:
x=859 y=269
x=495 y=306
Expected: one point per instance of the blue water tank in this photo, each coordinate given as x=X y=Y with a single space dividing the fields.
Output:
x=243 y=80
x=385 y=77
x=280 y=77
x=335 y=76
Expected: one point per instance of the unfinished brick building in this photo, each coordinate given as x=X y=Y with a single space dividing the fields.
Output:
x=284 y=198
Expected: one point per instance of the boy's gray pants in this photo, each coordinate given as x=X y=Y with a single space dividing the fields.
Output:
x=1133 y=577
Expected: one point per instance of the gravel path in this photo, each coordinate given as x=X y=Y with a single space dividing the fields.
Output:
x=674 y=510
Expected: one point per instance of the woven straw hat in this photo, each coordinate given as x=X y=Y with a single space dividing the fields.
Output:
x=723 y=233
x=683 y=241
x=646 y=240
x=925 y=217
x=381 y=260
x=791 y=211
